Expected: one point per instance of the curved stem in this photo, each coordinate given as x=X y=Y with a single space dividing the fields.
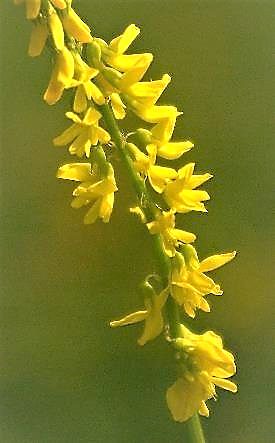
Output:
x=193 y=426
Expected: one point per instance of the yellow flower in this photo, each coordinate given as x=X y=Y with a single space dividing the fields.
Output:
x=61 y=77
x=203 y=363
x=152 y=316
x=181 y=194
x=189 y=284
x=135 y=94
x=85 y=89
x=161 y=135
x=42 y=27
x=113 y=54
x=143 y=95
x=75 y=27
x=158 y=176
x=93 y=189
x=83 y=133
x=171 y=237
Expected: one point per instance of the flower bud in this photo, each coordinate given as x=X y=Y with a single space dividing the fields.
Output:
x=94 y=54
x=111 y=75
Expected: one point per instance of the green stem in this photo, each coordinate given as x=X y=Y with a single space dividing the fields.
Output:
x=193 y=426
x=194 y=430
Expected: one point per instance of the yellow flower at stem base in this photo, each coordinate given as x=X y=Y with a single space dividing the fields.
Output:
x=203 y=364
x=83 y=133
x=93 y=190
x=152 y=317
x=171 y=237
x=189 y=284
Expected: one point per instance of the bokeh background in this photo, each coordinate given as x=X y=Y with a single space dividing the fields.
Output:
x=65 y=376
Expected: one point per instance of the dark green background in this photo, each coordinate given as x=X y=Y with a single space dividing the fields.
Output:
x=65 y=376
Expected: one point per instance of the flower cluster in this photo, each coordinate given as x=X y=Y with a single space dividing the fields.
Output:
x=203 y=364
x=107 y=81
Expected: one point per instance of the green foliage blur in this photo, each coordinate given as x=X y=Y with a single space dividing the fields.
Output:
x=65 y=377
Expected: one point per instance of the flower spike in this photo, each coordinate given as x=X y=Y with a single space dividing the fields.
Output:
x=106 y=83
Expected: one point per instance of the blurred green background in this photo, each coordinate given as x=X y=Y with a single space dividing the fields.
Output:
x=65 y=376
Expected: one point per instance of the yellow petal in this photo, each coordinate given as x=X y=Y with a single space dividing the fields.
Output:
x=95 y=93
x=147 y=93
x=92 y=116
x=154 y=321
x=125 y=62
x=197 y=180
x=54 y=91
x=156 y=113
x=159 y=176
x=65 y=63
x=60 y=4
x=92 y=214
x=204 y=306
x=80 y=102
x=203 y=410
x=174 y=150
x=135 y=74
x=163 y=130
x=106 y=207
x=215 y=261
x=81 y=145
x=225 y=384
x=67 y=136
x=130 y=319
x=122 y=42
x=62 y=75
x=80 y=201
x=38 y=39
x=56 y=31
x=75 y=27
x=153 y=227
x=117 y=106
x=184 y=236
x=103 y=136
x=186 y=171
x=184 y=398
x=72 y=116
x=93 y=135
x=98 y=189
x=75 y=171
